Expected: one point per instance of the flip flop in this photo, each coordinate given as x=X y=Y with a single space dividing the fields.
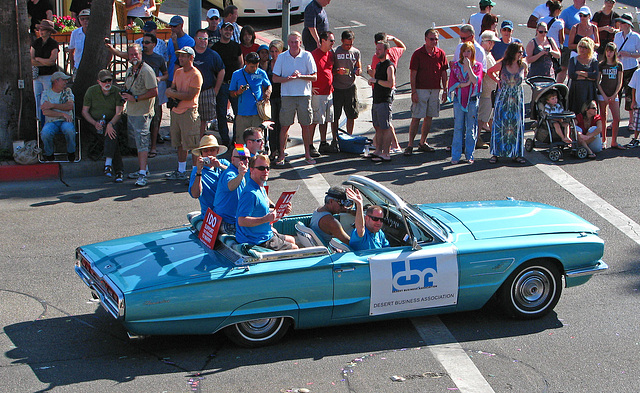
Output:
x=619 y=147
x=493 y=160
x=376 y=159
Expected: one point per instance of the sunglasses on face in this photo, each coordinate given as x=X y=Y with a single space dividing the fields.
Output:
x=263 y=168
x=241 y=158
x=146 y=42
x=107 y=80
x=202 y=38
x=542 y=31
x=256 y=140
x=433 y=39
x=376 y=219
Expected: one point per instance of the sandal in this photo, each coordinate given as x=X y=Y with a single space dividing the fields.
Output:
x=408 y=151
x=619 y=147
x=493 y=160
x=519 y=160
x=152 y=154
x=376 y=159
x=591 y=156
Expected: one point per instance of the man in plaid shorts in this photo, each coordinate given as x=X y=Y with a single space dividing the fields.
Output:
x=210 y=65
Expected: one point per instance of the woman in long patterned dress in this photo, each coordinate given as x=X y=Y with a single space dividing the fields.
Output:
x=507 y=133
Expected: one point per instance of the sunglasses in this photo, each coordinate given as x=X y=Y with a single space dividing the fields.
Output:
x=263 y=168
x=433 y=39
x=376 y=219
x=241 y=158
x=592 y=107
x=107 y=80
x=542 y=31
x=256 y=140
x=146 y=42
x=202 y=38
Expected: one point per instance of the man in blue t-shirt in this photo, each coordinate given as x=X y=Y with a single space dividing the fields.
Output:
x=179 y=39
x=368 y=233
x=230 y=186
x=254 y=218
x=249 y=84
x=205 y=174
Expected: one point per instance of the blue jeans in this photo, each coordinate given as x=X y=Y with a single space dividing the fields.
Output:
x=221 y=113
x=465 y=124
x=50 y=130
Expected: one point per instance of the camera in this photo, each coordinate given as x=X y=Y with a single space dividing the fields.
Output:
x=206 y=160
x=172 y=102
x=126 y=91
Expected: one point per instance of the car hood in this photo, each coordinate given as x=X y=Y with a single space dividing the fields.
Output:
x=497 y=219
x=156 y=259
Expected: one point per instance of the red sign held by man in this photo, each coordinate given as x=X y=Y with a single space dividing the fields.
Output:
x=283 y=203
x=209 y=230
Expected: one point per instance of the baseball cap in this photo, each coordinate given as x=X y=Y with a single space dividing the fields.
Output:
x=226 y=24
x=85 y=12
x=489 y=35
x=507 y=24
x=484 y=3
x=213 y=12
x=584 y=10
x=104 y=74
x=176 y=20
x=149 y=26
x=625 y=18
x=262 y=47
x=59 y=75
x=187 y=50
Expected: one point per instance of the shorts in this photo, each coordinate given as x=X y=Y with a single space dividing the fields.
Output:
x=322 y=107
x=428 y=104
x=565 y=55
x=381 y=115
x=277 y=243
x=634 y=121
x=244 y=122
x=347 y=99
x=296 y=104
x=485 y=110
x=138 y=131
x=228 y=228
x=185 y=129
x=207 y=105
x=601 y=98
x=628 y=91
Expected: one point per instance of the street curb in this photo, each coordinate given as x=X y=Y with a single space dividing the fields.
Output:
x=16 y=172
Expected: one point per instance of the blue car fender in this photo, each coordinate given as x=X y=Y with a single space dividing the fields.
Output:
x=274 y=307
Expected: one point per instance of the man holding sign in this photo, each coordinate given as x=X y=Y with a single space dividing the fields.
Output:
x=254 y=217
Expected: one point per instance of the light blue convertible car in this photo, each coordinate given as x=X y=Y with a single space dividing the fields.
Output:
x=443 y=258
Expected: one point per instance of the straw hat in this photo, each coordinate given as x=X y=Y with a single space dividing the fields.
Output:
x=208 y=141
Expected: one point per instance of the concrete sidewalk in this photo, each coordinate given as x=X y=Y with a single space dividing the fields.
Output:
x=166 y=159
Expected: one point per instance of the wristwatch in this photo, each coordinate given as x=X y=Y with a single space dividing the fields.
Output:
x=136 y=97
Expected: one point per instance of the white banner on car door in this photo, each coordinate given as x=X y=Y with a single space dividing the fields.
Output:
x=414 y=280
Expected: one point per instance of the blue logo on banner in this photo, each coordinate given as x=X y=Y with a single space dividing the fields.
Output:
x=413 y=274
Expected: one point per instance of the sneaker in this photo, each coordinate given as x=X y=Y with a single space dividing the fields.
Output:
x=175 y=175
x=142 y=180
x=71 y=157
x=324 y=148
x=133 y=175
x=108 y=171
x=633 y=143
x=119 y=177
x=313 y=152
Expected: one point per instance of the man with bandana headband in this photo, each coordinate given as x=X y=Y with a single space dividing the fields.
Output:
x=101 y=108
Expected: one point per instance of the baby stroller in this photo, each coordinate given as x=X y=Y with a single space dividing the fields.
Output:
x=541 y=87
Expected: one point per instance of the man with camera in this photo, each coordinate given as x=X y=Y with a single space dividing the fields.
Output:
x=206 y=171
x=139 y=93
x=183 y=100
x=251 y=85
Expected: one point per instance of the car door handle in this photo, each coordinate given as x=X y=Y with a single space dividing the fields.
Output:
x=348 y=269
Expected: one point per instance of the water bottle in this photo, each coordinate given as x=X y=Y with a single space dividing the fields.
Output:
x=103 y=121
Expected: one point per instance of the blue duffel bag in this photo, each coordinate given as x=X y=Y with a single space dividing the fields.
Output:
x=352 y=143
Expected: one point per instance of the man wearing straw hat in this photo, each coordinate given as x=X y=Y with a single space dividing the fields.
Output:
x=206 y=171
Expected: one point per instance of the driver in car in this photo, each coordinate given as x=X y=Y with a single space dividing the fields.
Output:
x=368 y=232
x=323 y=223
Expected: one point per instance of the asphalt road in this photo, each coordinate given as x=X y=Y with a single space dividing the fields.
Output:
x=55 y=338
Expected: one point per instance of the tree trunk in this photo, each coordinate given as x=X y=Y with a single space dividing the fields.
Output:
x=17 y=113
x=95 y=55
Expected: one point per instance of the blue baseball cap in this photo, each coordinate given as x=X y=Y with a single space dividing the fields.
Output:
x=507 y=24
x=176 y=20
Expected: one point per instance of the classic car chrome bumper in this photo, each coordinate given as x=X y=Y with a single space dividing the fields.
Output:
x=588 y=271
x=101 y=287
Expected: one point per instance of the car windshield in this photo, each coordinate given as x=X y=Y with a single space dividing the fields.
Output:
x=435 y=225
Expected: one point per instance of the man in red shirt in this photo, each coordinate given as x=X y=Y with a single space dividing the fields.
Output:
x=322 y=99
x=428 y=87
